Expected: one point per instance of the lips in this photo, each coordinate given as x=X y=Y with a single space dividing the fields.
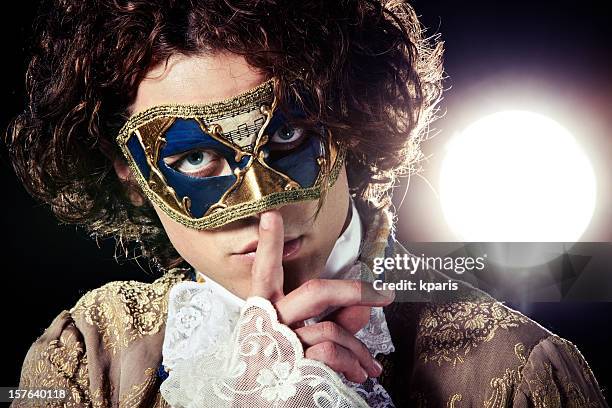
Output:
x=249 y=248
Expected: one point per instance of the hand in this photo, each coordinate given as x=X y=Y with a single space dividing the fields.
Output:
x=331 y=342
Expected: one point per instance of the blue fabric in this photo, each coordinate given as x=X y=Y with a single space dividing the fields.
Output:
x=161 y=373
x=279 y=119
x=186 y=134
x=203 y=192
x=301 y=164
x=183 y=136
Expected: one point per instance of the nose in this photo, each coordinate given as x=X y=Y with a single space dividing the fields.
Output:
x=258 y=215
x=254 y=219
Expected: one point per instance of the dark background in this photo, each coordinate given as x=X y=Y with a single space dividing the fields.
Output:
x=553 y=57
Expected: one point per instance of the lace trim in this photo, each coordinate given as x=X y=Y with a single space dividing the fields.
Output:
x=199 y=327
x=262 y=363
x=197 y=322
x=375 y=335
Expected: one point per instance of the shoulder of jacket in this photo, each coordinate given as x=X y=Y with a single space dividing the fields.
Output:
x=455 y=331
x=469 y=329
x=123 y=311
x=467 y=322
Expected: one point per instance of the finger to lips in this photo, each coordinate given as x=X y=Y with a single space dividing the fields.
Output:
x=267 y=270
x=339 y=359
x=330 y=331
x=316 y=295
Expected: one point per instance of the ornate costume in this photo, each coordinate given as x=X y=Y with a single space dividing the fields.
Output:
x=471 y=351
x=186 y=342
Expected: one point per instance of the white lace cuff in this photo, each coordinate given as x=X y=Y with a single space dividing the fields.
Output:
x=261 y=364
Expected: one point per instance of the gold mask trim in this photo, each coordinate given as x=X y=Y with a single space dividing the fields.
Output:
x=211 y=112
x=239 y=201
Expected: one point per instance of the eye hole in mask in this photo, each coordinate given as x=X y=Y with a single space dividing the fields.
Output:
x=201 y=163
x=286 y=138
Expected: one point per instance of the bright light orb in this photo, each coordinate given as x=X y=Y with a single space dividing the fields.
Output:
x=517 y=176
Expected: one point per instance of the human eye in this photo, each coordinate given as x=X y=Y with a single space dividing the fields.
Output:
x=287 y=137
x=196 y=163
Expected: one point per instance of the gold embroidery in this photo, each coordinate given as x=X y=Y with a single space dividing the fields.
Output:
x=126 y=311
x=99 y=396
x=571 y=349
x=137 y=394
x=448 y=332
x=453 y=400
x=60 y=365
x=376 y=236
x=545 y=390
x=502 y=388
x=65 y=353
x=575 y=397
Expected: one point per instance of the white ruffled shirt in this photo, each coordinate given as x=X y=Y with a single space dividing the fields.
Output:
x=220 y=349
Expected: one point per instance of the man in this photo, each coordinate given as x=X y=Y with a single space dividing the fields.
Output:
x=250 y=149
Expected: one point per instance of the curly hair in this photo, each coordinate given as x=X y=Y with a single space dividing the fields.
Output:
x=368 y=71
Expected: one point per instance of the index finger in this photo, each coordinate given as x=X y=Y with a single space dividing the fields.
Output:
x=267 y=270
x=317 y=295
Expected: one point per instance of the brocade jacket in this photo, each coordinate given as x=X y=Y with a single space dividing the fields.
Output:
x=469 y=351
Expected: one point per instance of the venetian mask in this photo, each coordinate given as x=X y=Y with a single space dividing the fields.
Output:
x=208 y=165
